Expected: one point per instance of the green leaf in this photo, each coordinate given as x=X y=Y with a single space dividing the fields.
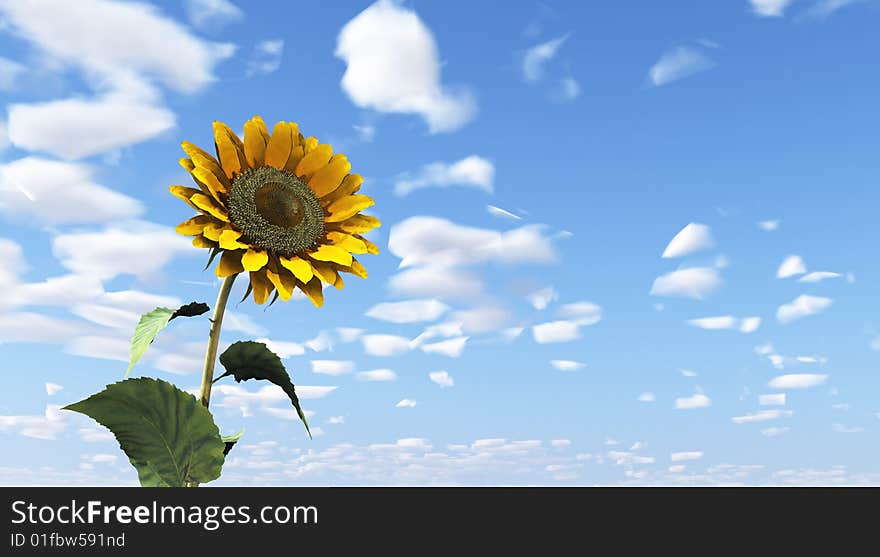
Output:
x=154 y=321
x=168 y=436
x=231 y=440
x=253 y=360
x=193 y=309
x=147 y=328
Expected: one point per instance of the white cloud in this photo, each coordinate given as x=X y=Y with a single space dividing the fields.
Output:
x=840 y=428
x=242 y=323
x=761 y=416
x=10 y=70
x=128 y=112
x=4 y=136
x=336 y=420
x=569 y=89
x=537 y=57
x=442 y=378
x=212 y=14
x=53 y=388
x=768 y=225
x=349 y=334
x=697 y=400
x=55 y=192
x=745 y=325
x=482 y=319
x=694 y=282
x=772 y=399
x=586 y=313
x=646 y=397
x=685 y=455
x=95 y=435
x=136 y=248
x=692 y=238
x=453 y=347
x=819 y=276
x=266 y=57
x=567 y=365
x=749 y=324
x=239 y=397
x=769 y=8
x=556 y=331
x=406 y=403
x=473 y=171
x=715 y=323
x=47 y=426
x=410 y=311
x=687 y=373
x=105 y=37
x=377 y=375
x=797 y=381
x=98 y=346
x=393 y=66
x=542 y=298
x=424 y=240
x=792 y=265
x=677 y=63
x=35 y=327
x=366 y=133
x=824 y=8
x=774 y=431
x=332 y=367
x=802 y=306
x=283 y=349
x=434 y=280
x=491 y=209
x=385 y=345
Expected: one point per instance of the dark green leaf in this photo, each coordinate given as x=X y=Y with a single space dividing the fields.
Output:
x=231 y=440
x=168 y=436
x=253 y=360
x=147 y=328
x=193 y=309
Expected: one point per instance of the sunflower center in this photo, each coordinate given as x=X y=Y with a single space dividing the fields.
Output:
x=275 y=211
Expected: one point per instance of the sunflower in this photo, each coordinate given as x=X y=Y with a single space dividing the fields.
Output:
x=282 y=207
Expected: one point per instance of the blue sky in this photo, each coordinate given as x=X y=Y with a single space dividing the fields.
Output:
x=636 y=237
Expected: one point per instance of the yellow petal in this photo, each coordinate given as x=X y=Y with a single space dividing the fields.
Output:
x=192 y=150
x=262 y=287
x=313 y=291
x=283 y=139
x=300 y=269
x=334 y=254
x=256 y=136
x=209 y=206
x=186 y=194
x=194 y=226
x=329 y=178
x=230 y=264
x=348 y=207
x=202 y=242
x=314 y=160
x=371 y=247
x=309 y=144
x=347 y=242
x=229 y=239
x=210 y=163
x=283 y=281
x=350 y=184
x=325 y=272
x=186 y=163
x=213 y=230
x=230 y=150
x=254 y=259
x=355 y=268
x=358 y=224
x=206 y=177
x=296 y=155
x=340 y=283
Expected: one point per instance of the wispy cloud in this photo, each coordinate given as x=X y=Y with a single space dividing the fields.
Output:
x=769 y=8
x=692 y=238
x=473 y=171
x=801 y=307
x=536 y=58
x=678 y=63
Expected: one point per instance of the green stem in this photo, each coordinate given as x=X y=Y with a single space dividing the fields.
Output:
x=213 y=341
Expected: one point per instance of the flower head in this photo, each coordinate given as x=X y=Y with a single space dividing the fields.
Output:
x=282 y=207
